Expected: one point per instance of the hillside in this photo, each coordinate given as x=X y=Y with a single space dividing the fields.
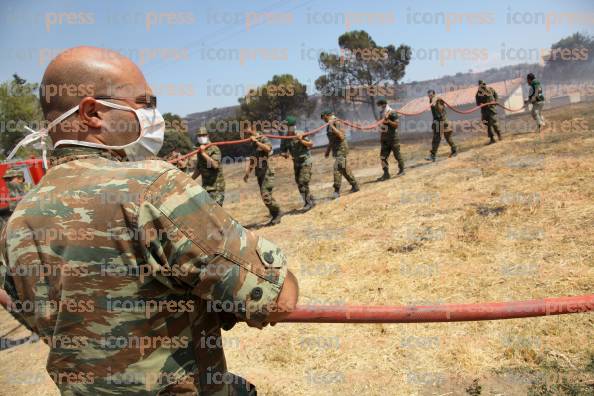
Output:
x=510 y=221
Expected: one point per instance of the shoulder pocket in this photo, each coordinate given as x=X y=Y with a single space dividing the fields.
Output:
x=270 y=254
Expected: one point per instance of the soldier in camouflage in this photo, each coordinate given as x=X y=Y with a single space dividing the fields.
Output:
x=261 y=150
x=208 y=164
x=128 y=270
x=486 y=94
x=440 y=124
x=389 y=139
x=338 y=145
x=300 y=149
x=536 y=99
x=15 y=182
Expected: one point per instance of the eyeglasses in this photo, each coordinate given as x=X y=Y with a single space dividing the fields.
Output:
x=149 y=100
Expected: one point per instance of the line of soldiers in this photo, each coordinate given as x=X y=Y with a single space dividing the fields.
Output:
x=299 y=147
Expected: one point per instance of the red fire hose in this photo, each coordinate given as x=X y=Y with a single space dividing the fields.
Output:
x=441 y=313
x=429 y=313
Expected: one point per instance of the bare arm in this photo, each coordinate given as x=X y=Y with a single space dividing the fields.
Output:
x=304 y=142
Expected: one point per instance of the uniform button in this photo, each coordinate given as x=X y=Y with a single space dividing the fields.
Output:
x=256 y=293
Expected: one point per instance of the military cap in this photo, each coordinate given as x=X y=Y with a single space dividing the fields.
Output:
x=291 y=120
x=326 y=113
x=202 y=132
x=381 y=101
x=481 y=82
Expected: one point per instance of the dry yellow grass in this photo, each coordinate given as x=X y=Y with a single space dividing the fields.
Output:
x=510 y=221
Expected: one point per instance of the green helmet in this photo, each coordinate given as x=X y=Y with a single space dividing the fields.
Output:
x=202 y=132
x=291 y=121
x=481 y=82
x=326 y=113
x=12 y=172
x=381 y=101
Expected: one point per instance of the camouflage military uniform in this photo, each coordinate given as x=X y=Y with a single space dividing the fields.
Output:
x=15 y=192
x=440 y=124
x=302 y=163
x=340 y=150
x=265 y=176
x=127 y=265
x=390 y=143
x=213 y=180
x=486 y=94
x=536 y=97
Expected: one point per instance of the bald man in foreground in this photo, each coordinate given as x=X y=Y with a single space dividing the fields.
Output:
x=125 y=266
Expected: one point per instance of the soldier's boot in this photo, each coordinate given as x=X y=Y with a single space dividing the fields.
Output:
x=309 y=203
x=498 y=134
x=276 y=217
x=431 y=158
x=453 y=153
x=401 y=172
x=336 y=193
x=385 y=176
x=355 y=188
x=491 y=141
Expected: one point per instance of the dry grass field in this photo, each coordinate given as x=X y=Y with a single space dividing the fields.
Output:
x=510 y=221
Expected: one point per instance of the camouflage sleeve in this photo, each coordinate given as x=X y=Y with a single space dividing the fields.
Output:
x=215 y=153
x=264 y=140
x=495 y=95
x=8 y=285
x=189 y=236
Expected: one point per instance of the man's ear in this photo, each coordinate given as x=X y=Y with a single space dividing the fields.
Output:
x=88 y=112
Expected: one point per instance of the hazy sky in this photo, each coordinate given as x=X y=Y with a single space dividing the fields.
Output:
x=203 y=54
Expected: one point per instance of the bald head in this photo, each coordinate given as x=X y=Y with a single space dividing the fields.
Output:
x=77 y=77
x=87 y=71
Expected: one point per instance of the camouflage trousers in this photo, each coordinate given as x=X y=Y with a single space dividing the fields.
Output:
x=265 y=177
x=490 y=120
x=537 y=113
x=302 y=178
x=387 y=147
x=217 y=194
x=438 y=127
x=341 y=168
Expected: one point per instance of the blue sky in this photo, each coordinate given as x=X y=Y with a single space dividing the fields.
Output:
x=203 y=54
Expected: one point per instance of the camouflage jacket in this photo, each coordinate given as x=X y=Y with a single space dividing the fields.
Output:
x=340 y=148
x=535 y=93
x=484 y=95
x=387 y=131
x=438 y=109
x=300 y=153
x=261 y=156
x=15 y=190
x=122 y=267
x=212 y=179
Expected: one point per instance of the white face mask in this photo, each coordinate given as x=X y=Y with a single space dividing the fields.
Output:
x=148 y=143
x=202 y=139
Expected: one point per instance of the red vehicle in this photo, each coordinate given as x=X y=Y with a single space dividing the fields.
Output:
x=31 y=168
